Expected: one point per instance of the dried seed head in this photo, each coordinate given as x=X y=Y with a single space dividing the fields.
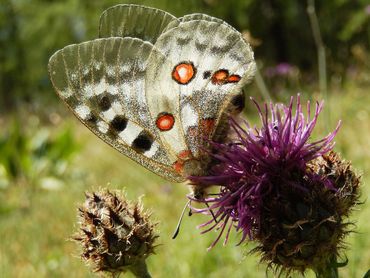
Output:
x=115 y=234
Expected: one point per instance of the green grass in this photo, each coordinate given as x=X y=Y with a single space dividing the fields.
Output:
x=36 y=224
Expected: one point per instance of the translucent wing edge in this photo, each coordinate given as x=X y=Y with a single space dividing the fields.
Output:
x=106 y=12
x=166 y=172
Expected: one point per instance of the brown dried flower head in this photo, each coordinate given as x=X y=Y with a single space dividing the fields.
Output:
x=115 y=234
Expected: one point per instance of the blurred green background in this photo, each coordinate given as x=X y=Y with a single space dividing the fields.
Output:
x=48 y=159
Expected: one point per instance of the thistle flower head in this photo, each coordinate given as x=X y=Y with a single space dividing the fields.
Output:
x=115 y=235
x=260 y=161
x=281 y=144
x=290 y=195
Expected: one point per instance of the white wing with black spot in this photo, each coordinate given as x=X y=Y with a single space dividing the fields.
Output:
x=103 y=83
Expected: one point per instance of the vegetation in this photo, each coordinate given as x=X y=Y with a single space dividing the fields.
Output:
x=48 y=159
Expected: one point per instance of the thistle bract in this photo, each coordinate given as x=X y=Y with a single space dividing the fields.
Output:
x=300 y=230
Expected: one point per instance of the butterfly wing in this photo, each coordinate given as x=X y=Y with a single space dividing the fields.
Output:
x=134 y=21
x=156 y=104
x=195 y=16
x=207 y=64
x=103 y=83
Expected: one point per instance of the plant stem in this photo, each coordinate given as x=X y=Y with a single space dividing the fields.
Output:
x=321 y=55
x=140 y=270
x=330 y=270
x=261 y=85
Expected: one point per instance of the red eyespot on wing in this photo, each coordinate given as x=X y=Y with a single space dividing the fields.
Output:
x=233 y=78
x=184 y=155
x=178 y=166
x=220 y=77
x=183 y=73
x=165 y=121
x=207 y=126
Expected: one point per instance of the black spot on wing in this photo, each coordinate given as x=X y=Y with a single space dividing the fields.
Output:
x=183 y=41
x=98 y=72
x=206 y=74
x=91 y=119
x=219 y=50
x=86 y=77
x=72 y=101
x=104 y=103
x=236 y=57
x=165 y=40
x=132 y=76
x=111 y=79
x=119 y=123
x=143 y=142
x=200 y=46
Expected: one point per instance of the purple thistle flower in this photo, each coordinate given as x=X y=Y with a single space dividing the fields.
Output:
x=249 y=168
x=367 y=10
x=281 y=69
x=284 y=69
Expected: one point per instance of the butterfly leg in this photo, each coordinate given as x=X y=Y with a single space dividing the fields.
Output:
x=211 y=211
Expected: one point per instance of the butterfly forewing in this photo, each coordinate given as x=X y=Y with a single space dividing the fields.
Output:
x=134 y=21
x=102 y=81
x=208 y=62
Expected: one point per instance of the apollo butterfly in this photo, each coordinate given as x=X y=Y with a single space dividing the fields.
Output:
x=155 y=87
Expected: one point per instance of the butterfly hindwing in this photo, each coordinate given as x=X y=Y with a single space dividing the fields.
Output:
x=195 y=16
x=103 y=82
x=134 y=21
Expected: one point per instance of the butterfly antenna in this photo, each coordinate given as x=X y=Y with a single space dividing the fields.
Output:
x=180 y=220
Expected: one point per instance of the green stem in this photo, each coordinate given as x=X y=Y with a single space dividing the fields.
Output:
x=321 y=55
x=140 y=270
x=262 y=85
x=330 y=270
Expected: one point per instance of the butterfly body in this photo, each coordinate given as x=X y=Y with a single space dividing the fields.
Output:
x=155 y=87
